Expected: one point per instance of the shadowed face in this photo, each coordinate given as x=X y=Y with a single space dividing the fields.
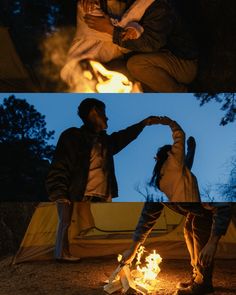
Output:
x=98 y=119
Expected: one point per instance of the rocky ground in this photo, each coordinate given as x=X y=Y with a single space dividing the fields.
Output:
x=87 y=277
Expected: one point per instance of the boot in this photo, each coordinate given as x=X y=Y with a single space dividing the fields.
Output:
x=196 y=289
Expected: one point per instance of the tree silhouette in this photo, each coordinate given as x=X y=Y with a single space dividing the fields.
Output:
x=228 y=105
x=227 y=101
x=24 y=151
x=229 y=189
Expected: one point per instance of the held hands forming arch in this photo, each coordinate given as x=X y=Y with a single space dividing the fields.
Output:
x=175 y=178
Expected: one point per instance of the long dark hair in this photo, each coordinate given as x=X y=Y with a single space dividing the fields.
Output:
x=161 y=157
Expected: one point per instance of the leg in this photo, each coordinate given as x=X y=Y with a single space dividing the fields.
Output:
x=62 y=244
x=188 y=235
x=163 y=71
x=201 y=233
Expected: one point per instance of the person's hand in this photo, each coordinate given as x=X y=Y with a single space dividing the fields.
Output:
x=152 y=120
x=88 y=5
x=129 y=34
x=191 y=143
x=207 y=254
x=164 y=120
x=128 y=256
x=99 y=23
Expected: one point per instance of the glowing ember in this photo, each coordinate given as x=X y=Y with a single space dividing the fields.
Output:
x=110 y=81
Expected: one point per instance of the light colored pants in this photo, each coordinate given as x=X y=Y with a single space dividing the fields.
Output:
x=65 y=211
x=62 y=243
x=197 y=231
x=162 y=71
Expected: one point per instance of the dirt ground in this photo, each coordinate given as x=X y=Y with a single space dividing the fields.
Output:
x=87 y=277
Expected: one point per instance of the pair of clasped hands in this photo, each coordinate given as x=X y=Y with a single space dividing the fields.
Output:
x=103 y=23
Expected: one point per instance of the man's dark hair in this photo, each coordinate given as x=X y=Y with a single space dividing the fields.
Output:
x=87 y=105
x=161 y=157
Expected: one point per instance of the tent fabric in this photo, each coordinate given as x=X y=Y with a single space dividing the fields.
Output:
x=13 y=75
x=101 y=229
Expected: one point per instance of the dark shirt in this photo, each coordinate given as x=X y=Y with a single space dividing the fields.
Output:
x=221 y=216
x=163 y=30
x=68 y=173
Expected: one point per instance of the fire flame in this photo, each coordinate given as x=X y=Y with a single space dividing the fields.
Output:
x=56 y=67
x=141 y=279
x=146 y=276
x=110 y=81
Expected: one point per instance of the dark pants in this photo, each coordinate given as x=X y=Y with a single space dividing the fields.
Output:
x=162 y=71
x=197 y=231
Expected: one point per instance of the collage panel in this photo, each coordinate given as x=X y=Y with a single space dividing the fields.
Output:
x=176 y=251
x=160 y=147
x=179 y=207
x=86 y=46
x=117 y=138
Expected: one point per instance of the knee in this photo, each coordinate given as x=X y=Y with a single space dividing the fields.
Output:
x=136 y=65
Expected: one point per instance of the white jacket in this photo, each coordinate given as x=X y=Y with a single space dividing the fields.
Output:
x=177 y=181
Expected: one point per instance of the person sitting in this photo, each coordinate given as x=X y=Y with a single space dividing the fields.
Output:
x=94 y=45
x=165 y=55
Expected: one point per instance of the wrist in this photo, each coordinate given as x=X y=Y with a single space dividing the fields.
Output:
x=135 y=245
x=213 y=240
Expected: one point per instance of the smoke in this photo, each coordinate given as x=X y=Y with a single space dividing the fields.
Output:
x=56 y=73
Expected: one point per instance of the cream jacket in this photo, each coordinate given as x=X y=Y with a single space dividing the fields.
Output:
x=177 y=181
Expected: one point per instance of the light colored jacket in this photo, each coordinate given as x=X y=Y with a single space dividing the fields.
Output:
x=177 y=181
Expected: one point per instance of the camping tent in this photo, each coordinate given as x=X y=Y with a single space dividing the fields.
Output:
x=100 y=229
x=14 y=77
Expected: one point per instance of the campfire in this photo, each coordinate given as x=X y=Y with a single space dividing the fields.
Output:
x=142 y=277
x=83 y=76
x=109 y=81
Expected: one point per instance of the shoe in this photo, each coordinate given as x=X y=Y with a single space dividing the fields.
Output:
x=196 y=289
x=68 y=258
x=184 y=285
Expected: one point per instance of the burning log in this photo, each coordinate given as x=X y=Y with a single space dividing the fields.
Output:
x=140 y=279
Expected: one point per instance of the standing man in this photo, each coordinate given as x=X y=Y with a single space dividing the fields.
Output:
x=204 y=226
x=83 y=166
x=165 y=55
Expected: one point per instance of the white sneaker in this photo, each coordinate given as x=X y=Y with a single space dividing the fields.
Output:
x=68 y=258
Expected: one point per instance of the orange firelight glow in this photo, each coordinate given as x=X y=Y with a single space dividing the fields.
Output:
x=110 y=81
x=146 y=276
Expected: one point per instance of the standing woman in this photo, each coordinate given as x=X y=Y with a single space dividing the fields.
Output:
x=172 y=174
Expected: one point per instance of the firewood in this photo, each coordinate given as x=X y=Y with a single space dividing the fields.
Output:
x=127 y=279
x=115 y=274
x=113 y=287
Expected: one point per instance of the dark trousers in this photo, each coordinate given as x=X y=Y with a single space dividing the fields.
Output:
x=197 y=231
x=162 y=71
